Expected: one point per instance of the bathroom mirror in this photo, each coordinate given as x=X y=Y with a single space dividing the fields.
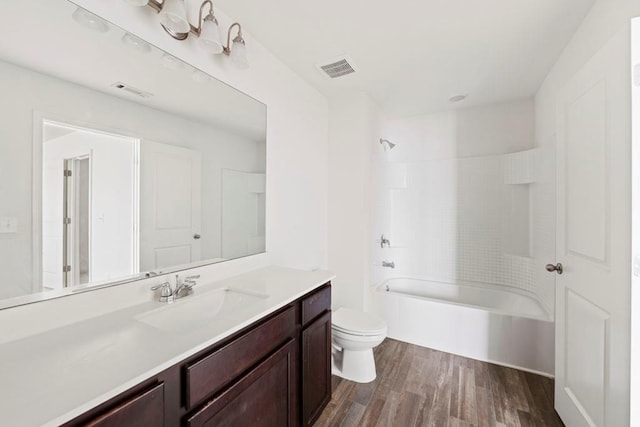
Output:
x=116 y=158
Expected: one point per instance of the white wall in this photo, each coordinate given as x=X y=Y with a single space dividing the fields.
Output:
x=481 y=131
x=454 y=205
x=353 y=136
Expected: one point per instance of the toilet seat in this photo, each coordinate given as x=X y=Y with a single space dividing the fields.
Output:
x=353 y=322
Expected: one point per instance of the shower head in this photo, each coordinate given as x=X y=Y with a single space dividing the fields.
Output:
x=386 y=143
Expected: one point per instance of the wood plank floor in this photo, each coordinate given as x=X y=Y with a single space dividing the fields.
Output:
x=417 y=386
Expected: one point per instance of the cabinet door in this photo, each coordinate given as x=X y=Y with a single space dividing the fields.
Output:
x=144 y=410
x=266 y=396
x=316 y=368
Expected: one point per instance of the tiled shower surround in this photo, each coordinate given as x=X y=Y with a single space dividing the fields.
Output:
x=465 y=197
x=452 y=220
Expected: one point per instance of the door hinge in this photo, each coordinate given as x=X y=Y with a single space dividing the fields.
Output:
x=66 y=221
x=66 y=269
x=67 y=172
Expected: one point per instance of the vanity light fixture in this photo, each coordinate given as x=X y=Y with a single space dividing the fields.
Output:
x=173 y=18
x=238 y=51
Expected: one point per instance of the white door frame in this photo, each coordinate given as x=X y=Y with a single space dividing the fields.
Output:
x=635 y=222
x=39 y=118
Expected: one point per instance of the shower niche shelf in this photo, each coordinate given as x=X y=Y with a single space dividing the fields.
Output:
x=519 y=173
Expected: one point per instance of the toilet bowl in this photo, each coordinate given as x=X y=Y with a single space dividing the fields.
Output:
x=354 y=335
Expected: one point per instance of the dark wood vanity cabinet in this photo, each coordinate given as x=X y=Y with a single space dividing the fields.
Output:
x=142 y=409
x=316 y=354
x=275 y=372
x=219 y=368
x=266 y=396
x=316 y=368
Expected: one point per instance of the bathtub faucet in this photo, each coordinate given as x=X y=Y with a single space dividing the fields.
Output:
x=384 y=241
x=389 y=264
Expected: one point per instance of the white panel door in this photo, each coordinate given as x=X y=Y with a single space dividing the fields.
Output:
x=170 y=205
x=593 y=242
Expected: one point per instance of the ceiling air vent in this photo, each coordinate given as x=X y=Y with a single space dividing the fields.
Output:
x=338 y=67
x=132 y=90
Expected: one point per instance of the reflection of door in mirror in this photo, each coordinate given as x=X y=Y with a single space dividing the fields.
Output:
x=75 y=225
x=89 y=208
x=170 y=206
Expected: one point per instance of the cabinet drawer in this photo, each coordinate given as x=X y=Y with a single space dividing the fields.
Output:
x=144 y=410
x=316 y=303
x=209 y=374
x=265 y=397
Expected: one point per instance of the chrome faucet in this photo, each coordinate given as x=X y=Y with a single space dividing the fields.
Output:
x=166 y=293
x=183 y=288
x=186 y=287
x=389 y=264
x=384 y=241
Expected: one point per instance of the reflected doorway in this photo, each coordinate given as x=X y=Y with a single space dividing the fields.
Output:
x=76 y=212
x=90 y=193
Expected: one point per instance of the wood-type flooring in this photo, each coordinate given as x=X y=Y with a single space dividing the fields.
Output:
x=417 y=386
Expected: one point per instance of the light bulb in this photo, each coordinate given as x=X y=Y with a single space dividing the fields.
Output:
x=239 y=54
x=174 y=17
x=210 y=36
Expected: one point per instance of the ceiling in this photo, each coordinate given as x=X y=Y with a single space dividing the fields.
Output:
x=412 y=56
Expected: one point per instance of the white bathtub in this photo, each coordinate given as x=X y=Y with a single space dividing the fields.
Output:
x=479 y=321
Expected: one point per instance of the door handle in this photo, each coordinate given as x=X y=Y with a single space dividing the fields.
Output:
x=196 y=236
x=557 y=268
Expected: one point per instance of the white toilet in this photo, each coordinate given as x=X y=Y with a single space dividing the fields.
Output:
x=354 y=335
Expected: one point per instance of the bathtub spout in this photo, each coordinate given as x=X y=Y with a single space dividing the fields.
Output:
x=389 y=264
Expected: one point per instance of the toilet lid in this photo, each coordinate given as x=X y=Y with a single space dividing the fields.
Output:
x=357 y=322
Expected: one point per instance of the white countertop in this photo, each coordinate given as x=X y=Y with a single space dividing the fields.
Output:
x=52 y=377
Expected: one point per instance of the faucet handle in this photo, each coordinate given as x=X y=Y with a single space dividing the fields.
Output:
x=166 y=293
x=190 y=281
x=164 y=286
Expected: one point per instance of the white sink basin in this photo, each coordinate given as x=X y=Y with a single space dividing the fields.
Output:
x=199 y=310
